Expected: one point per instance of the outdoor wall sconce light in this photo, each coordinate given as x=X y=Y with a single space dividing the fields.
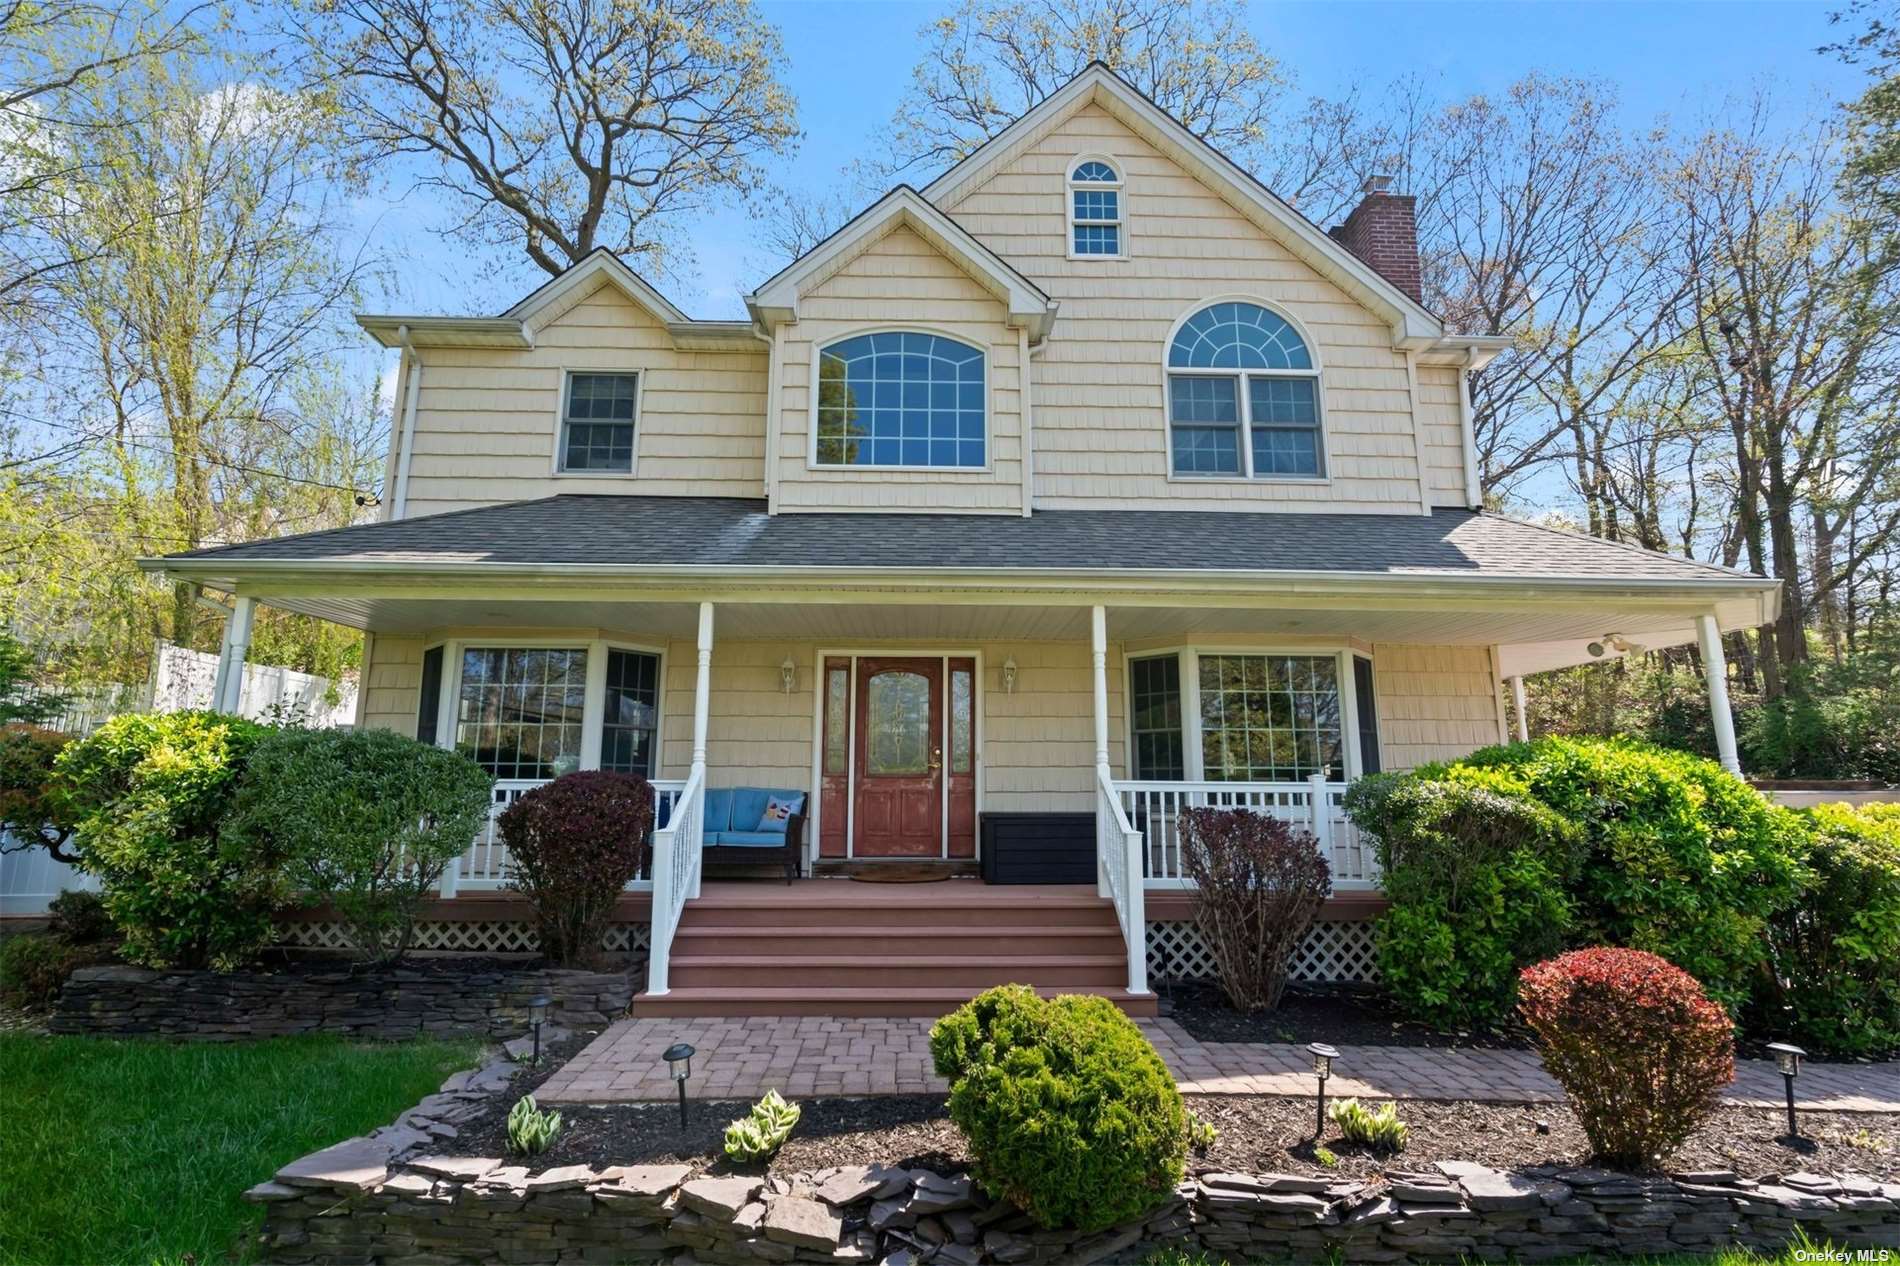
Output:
x=679 y=1062
x=1788 y=1060
x=788 y=675
x=537 y=1016
x=1009 y=675
x=1323 y=1057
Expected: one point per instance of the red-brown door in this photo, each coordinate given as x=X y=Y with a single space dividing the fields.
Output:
x=899 y=756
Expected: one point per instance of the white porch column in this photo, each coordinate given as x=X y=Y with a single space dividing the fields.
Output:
x=1523 y=716
x=702 y=707
x=1715 y=671
x=1098 y=647
x=229 y=691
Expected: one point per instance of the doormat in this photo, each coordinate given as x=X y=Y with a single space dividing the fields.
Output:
x=901 y=873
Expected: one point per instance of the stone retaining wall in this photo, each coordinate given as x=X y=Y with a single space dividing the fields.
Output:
x=391 y=1004
x=400 y=1196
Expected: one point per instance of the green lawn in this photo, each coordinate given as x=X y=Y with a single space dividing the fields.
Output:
x=1731 y=1257
x=136 y=1151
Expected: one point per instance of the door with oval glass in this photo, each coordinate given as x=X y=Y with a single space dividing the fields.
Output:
x=900 y=768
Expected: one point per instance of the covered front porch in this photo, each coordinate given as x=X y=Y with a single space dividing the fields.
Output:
x=902 y=727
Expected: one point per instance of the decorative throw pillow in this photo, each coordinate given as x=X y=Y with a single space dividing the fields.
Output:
x=778 y=813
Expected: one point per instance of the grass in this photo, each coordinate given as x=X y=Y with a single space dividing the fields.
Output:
x=137 y=1151
x=1727 y=1257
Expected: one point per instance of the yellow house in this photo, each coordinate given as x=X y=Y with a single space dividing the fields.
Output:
x=1085 y=484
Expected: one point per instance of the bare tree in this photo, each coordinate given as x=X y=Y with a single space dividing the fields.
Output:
x=561 y=125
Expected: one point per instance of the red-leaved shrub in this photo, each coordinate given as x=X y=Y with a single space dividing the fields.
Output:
x=574 y=844
x=1640 y=1048
x=1258 y=885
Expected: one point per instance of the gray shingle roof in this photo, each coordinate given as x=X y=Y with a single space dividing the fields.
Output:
x=735 y=532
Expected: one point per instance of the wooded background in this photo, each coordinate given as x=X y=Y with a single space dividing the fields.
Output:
x=1703 y=312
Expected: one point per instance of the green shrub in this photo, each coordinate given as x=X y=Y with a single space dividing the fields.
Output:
x=33 y=967
x=1475 y=870
x=365 y=820
x=148 y=795
x=1682 y=858
x=1636 y=1043
x=531 y=1131
x=1837 y=949
x=1069 y=1112
x=79 y=917
x=573 y=845
x=29 y=810
x=762 y=1131
x=1380 y=1129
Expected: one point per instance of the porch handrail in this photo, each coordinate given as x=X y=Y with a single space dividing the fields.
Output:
x=484 y=864
x=677 y=851
x=1155 y=806
x=1118 y=854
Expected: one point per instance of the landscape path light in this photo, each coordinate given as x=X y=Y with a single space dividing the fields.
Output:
x=679 y=1062
x=1323 y=1057
x=1788 y=1060
x=537 y=1016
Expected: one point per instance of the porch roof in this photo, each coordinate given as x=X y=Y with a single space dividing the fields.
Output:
x=728 y=534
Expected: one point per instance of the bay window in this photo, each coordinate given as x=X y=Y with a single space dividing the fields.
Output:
x=533 y=713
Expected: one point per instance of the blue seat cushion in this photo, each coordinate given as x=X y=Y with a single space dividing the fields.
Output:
x=718 y=815
x=748 y=839
x=748 y=806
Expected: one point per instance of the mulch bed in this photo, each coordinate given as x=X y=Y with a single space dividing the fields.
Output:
x=1257 y=1134
x=1339 y=1015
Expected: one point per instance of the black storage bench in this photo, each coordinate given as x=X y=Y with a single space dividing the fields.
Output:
x=1038 y=848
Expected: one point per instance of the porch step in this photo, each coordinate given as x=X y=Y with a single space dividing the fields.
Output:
x=894 y=1001
x=836 y=947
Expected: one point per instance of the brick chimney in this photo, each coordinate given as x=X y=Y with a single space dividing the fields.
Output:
x=1383 y=231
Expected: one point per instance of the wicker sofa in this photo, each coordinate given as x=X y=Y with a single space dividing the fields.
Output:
x=732 y=837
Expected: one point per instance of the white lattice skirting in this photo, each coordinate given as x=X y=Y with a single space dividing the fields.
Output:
x=1332 y=952
x=481 y=936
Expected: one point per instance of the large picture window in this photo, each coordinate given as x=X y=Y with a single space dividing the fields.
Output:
x=519 y=710
x=901 y=399
x=1243 y=396
x=1236 y=716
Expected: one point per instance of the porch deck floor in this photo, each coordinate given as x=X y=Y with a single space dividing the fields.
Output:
x=802 y=1056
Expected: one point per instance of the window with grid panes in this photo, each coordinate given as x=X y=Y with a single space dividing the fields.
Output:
x=1095 y=209
x=631 y=717
x=1243 y=396
x=1269 y=718
x=901 y=399
x=597 y=423
x=1155 y=706
x=518 y=710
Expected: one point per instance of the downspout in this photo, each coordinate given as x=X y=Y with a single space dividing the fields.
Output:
x=406 y=444
x=1028 y=420
x=774 y=374
x=1474 y=485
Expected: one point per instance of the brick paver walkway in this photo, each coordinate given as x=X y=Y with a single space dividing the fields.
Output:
x=815 y=1055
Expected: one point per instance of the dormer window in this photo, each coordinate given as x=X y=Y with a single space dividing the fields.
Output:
x=1243 y=397
x=597 y=423
x=901 y=399
x=1095 y=209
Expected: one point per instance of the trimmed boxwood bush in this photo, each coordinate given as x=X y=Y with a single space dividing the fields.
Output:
x=149 y=795
x=365 y=820
x=1476 y=871
x=1636 y=1043
x=573 y=845
x=1070 y=1113
x=1837 y=949
x=1683 y=858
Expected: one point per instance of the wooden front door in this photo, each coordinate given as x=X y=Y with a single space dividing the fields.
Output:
x=899 y=758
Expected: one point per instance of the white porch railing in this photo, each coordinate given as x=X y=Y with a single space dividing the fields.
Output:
x=678 y=848
x=485 y=865
x=1118 y=855
x=1154 y=808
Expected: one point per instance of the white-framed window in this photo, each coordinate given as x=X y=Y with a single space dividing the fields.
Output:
x=901 y=398
x=1243 y=396
x=598 y=415
x=1096 y=210
x=1242 y=715
x=530 y=712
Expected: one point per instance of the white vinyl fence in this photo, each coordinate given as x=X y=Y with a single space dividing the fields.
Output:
x=181 y=680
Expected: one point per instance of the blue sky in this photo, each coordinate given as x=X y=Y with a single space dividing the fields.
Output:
x=849 y=63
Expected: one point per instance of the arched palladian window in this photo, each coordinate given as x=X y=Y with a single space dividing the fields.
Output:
x=901 y=399
x=1095 y=209
x=1243 y=396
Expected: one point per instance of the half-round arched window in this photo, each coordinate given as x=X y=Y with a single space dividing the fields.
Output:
x=901 y=399
x=1095 y=209
x=1243 y=396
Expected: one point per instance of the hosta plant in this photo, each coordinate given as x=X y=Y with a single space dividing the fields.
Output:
x=762 y=1131
x=1380 y=1129
x=530 y=1130
x=1201 y=1133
